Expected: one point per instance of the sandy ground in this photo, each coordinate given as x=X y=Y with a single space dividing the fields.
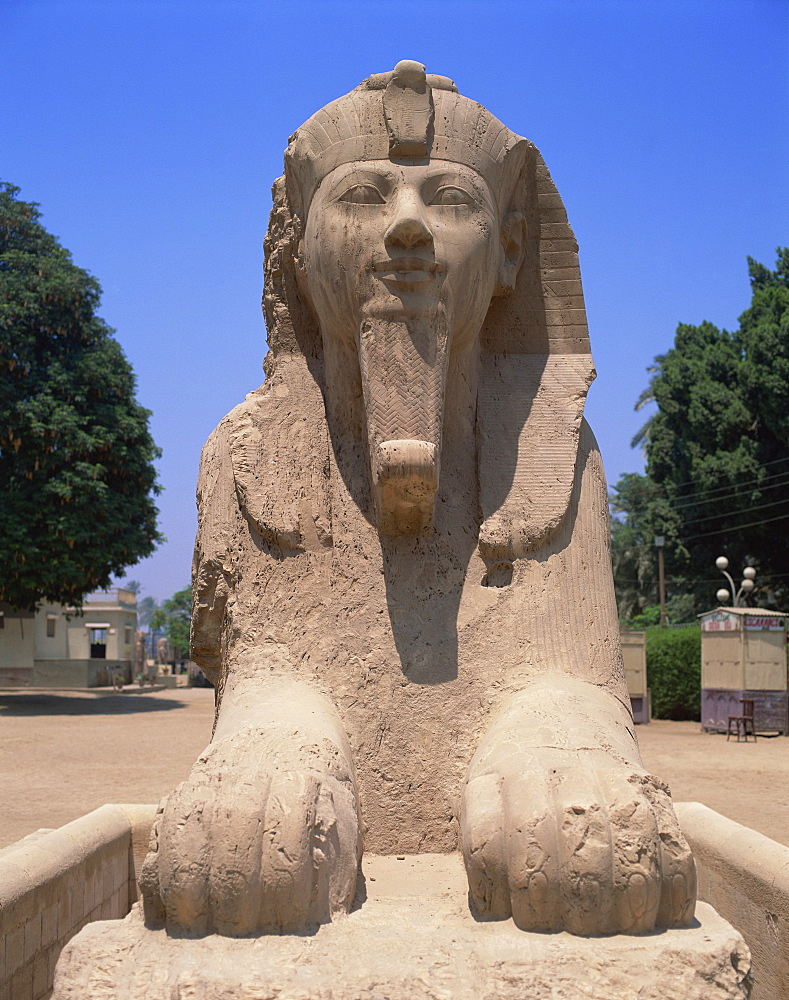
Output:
x=63 y=754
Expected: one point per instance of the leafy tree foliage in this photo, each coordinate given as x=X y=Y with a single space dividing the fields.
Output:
x=636 y=505
x=174 y=618
x=717 y=456
x=146 y=609
x=76 y=457
x=641 y=512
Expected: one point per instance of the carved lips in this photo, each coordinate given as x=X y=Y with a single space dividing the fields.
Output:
x=407 y=270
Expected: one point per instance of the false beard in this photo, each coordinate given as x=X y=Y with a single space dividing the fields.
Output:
x=403 y=366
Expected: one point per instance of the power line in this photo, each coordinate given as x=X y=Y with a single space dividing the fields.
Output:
x=725 y=491
x=735 y=527
x=731 y=489
x=764 y=465
x=729 y=513
x=651 y=582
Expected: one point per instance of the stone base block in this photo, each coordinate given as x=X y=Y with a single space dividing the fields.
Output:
x=410 y=937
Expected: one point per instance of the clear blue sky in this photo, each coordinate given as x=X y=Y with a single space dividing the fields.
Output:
x=150 y=133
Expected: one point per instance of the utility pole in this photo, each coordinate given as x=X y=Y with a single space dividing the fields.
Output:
x=659 y=543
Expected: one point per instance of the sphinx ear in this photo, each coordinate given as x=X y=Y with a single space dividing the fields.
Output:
x=297 y=256
x=300 y=272
x=513 y=239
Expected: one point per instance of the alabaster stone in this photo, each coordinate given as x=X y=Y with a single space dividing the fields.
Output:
x=403 y=594
x=411 y=937
x=402 y=577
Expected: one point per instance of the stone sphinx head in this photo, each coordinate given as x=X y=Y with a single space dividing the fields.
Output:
x=407 y=218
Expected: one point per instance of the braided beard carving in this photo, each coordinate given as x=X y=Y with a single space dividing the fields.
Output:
x=403 y=366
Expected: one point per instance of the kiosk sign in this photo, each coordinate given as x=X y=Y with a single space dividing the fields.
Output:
x=756 y=623
x=720 y=621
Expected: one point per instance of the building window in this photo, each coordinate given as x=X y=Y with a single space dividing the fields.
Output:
x=127 y=636
x=98 y=644
x=2 y=620
x=51 y=627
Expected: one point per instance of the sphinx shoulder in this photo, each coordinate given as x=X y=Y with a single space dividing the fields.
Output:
x=532 y=443
x=273 y=449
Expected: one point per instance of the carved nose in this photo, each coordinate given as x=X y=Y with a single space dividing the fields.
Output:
x=408 y=230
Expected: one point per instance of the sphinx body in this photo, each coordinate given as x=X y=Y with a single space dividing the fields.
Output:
x=402 y=579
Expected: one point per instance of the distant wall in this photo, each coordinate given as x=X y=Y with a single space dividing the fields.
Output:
x=52 y=884
x=16 y=677
x=55 y=646
x=17 y=637
x=77 y=673
x=745 y=876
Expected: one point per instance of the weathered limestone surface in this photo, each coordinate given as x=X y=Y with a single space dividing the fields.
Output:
x=413 y=938
x=403 y=593
x=402 y=581
x=54 y=882
x=745 y=876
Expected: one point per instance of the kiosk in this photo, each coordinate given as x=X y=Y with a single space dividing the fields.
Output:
x=743 y=657
x=634 y=653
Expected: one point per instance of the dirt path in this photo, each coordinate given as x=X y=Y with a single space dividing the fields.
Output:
x=745 y=781
x=65 y=753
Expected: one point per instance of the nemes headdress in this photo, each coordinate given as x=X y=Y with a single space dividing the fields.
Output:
x=404 y=116
x=535 y=361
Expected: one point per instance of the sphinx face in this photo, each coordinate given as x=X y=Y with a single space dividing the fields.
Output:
x=392 y=241
x=403 y=261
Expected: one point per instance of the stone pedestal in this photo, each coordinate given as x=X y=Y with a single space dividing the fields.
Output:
x=410 y=936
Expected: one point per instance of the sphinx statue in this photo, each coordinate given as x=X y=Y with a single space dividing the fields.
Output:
x=402 y=580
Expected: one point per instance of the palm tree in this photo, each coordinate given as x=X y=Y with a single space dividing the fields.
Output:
x=641 y=438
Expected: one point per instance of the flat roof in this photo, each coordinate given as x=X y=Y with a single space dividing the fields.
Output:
x=753 y=612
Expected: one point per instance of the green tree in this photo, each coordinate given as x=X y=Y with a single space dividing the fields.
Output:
x=646 y=397
x=632 y=550
x=174 y=618
x=76 y=457
x=146 y=609
x=718 y=448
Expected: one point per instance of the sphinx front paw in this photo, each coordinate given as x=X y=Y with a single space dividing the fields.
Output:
x=563 y=844
x=255 y=840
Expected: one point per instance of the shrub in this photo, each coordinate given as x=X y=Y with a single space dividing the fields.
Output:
x=674 y=671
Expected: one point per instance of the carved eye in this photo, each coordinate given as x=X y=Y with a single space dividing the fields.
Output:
x=451 y=195
x=363 y=194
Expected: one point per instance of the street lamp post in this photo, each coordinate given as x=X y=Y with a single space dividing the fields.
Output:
x=660 y=541
x=747 y=585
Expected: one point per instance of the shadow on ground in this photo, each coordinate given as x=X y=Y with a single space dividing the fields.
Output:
x=109 y=704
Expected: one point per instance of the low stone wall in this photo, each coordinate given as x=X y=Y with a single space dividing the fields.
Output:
x=52 y=884
x=78 y=673
x=745 y=876
x=66 y=674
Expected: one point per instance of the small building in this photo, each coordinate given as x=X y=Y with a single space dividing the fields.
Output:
x=634 y=654
x=743 y=656
x=59 y=647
